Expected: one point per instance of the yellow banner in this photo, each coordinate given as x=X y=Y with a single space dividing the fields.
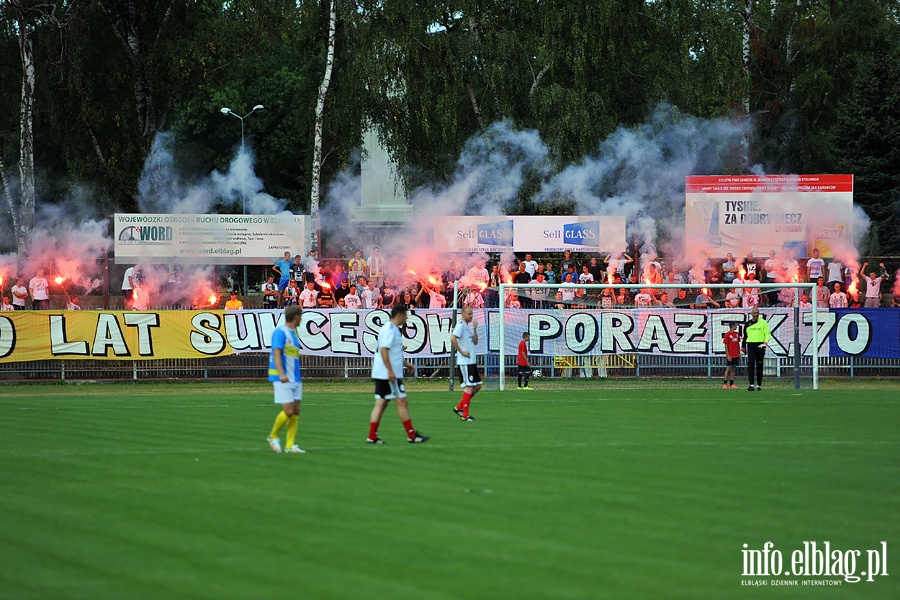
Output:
x=112 y=335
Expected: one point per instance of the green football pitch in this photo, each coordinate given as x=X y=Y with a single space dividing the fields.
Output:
x=170 y=491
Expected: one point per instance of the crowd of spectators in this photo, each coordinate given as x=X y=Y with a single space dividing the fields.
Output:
x=376 y=281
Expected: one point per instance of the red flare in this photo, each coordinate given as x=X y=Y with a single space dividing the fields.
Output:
x=213 y=300
x=742 y=273
x=705 y=291
x=325 y=286
x=432 y=280
x=411 y=272
x=482 y=286
x=59 y=280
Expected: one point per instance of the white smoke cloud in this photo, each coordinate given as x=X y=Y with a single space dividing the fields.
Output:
x=162 y=187
x=639 y=173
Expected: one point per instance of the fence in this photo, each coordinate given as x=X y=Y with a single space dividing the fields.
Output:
x=255 y=366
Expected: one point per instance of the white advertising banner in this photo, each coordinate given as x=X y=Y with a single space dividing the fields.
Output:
x=791 y=214
x=209 y=239
x=530 y=234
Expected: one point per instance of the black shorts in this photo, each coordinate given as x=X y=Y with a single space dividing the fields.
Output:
x=469 y=375
x=733 y=362
x=387 y=389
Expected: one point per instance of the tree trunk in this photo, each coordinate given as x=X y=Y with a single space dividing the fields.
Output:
x=131 y=38
x=320 y=123
x=475 y=106
x=26 y=136
x=745 y=65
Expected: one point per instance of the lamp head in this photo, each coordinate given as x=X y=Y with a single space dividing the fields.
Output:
x=225 y=111
x=258 y=107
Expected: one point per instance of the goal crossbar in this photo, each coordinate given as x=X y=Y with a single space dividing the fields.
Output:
x=797 y=286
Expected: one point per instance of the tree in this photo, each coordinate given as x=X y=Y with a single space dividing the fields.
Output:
x=21 y=208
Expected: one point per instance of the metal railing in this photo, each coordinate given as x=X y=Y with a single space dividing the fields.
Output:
x=254 y=366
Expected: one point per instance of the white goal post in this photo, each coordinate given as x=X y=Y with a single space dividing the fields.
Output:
x=760 y=287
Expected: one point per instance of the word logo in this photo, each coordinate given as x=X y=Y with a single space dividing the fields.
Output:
x=145 y=234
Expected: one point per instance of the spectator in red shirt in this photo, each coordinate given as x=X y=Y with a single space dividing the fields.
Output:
x=732 y=354
x=522 y=362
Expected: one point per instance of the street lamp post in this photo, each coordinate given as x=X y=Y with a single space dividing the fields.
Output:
x=228 y=111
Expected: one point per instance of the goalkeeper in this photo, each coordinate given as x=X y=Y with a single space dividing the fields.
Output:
x=756 y=336
x=522 y=362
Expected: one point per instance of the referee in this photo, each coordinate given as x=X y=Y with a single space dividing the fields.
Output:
x=756 y=336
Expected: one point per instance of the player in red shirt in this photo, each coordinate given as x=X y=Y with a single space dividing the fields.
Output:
x=732 y=354
x=524 y=368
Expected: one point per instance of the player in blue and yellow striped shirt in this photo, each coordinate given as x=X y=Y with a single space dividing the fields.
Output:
x=284 y=373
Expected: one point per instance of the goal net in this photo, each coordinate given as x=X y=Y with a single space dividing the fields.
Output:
x=582 y=336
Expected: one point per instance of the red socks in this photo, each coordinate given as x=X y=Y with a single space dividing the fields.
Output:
x=464 y=404
x=373 y=431
x=410 y=430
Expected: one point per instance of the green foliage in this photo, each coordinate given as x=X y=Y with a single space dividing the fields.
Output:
x=429 y=75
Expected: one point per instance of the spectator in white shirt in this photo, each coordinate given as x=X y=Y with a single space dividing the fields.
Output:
x=435 y=298
x=370 y=296
x=585 y=276
x=512 y=301
x=772 y=266
x=815 y=266
x=20 y=294
x=530 y=265
x=39 y=289
x=791 y=269
x=643 y=299
x=309 y=296
x=804 y=301
x=838 y=299
x=733 y=299
x=6 y=304
x=351 y=300
x=567 y=292
x=873 y=285
x=128 y=284
x=474 y=299
x=835 y=272
x=477 y=274
x=822 y=293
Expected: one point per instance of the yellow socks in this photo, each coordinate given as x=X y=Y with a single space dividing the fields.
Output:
x=280 y=420
x=293 y=422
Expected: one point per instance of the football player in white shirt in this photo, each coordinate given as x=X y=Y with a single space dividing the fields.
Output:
x=464 y=340
x=387 y=371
